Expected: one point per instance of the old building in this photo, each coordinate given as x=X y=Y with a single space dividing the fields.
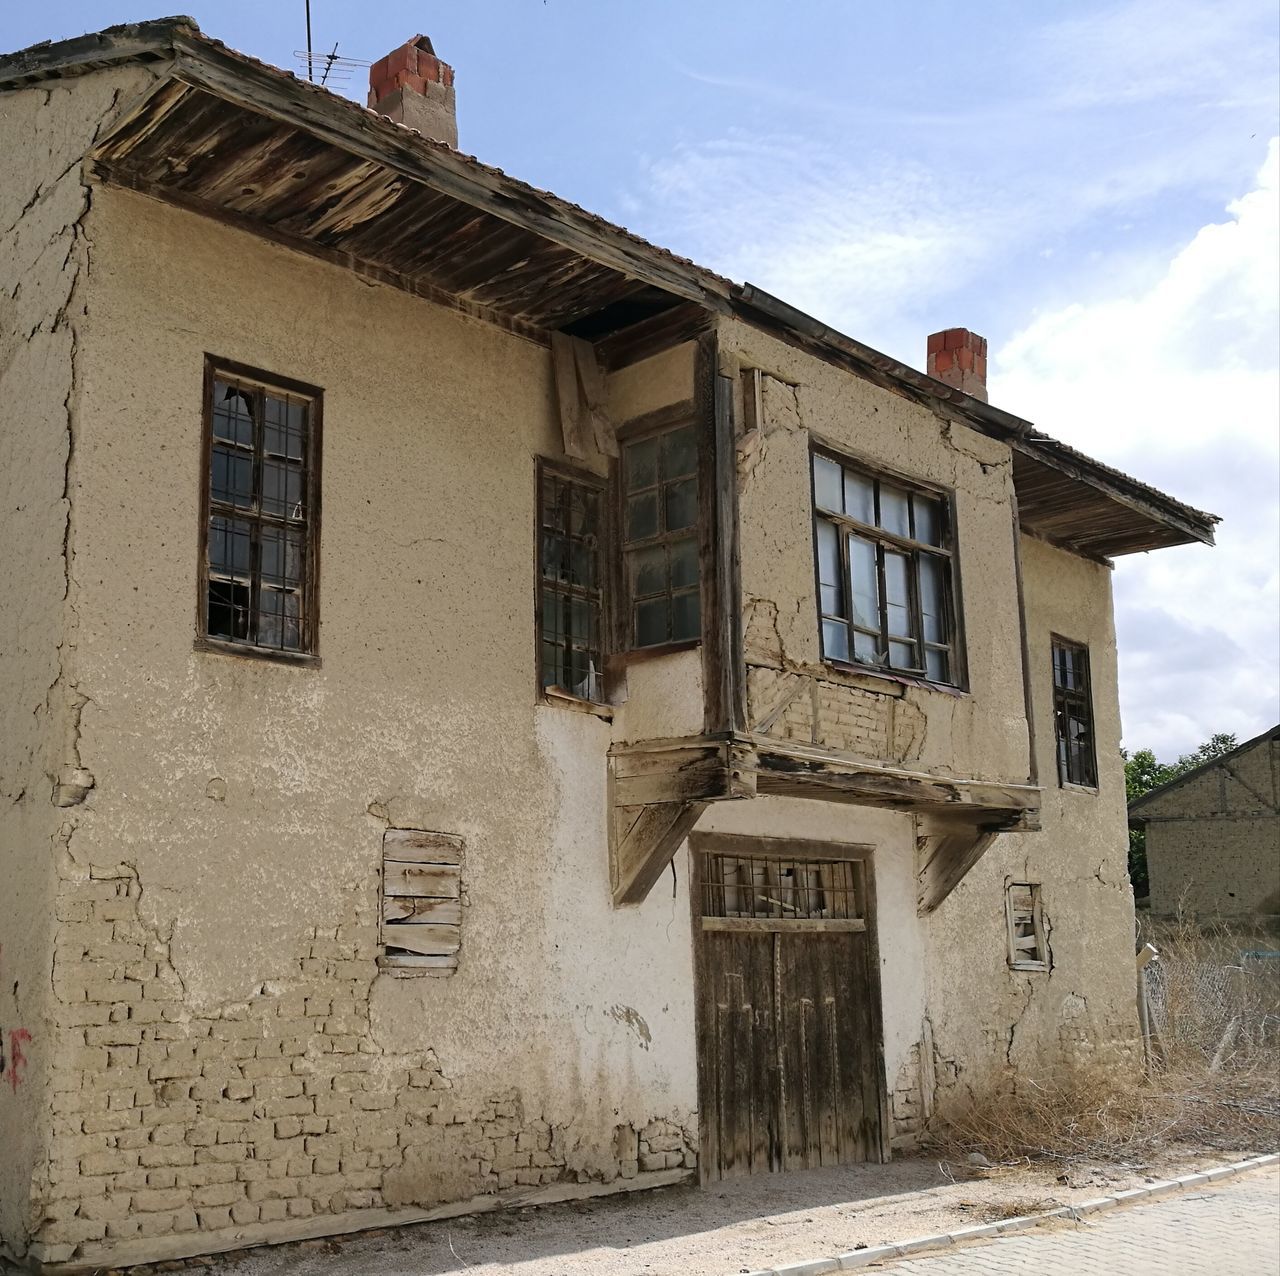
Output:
x=494 y=711
x=1213 y=835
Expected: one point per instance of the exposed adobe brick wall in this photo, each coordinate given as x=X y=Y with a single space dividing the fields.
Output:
x=814 y=710
x=279 y=1108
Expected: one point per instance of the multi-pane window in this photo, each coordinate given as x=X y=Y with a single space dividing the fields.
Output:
x=1073 y=714
x=259 y=565
x=569 y=583
x=884 y=572
x=660 y=536
x=1024 y=918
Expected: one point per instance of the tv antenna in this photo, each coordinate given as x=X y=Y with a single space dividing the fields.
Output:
x=326 y=68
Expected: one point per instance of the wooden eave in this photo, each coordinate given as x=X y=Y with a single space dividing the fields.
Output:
x=1078 y=503
x=230 y=137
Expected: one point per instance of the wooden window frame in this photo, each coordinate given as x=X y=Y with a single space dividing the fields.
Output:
x=1021 y=916
x=1081 y=700
x=307 y=653
x=673 y=417
x=884 y=540
x=546 y=467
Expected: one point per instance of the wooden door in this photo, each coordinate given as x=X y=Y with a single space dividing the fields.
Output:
x=788 y=1021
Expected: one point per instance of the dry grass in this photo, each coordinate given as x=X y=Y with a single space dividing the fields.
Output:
x=1214 y=1084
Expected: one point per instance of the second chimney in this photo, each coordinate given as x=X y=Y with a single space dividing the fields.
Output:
x=415 y=88
x=959 y=357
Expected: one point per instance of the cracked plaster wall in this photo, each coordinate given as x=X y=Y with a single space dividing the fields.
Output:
x=1005 y=1027
x=43 y=249
x=237 y=862
x=981 y=735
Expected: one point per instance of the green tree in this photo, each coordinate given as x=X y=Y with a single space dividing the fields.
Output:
x=1143 y=771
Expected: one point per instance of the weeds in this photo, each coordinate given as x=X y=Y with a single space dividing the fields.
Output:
x=1215 y=1080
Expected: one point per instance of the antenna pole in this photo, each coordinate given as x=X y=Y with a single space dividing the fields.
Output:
x=310 y=74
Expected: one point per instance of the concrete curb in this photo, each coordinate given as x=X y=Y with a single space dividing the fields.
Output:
x=944 y=1240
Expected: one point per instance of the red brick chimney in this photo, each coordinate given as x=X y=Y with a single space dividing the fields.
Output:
x=415 y=88
x=959 y=357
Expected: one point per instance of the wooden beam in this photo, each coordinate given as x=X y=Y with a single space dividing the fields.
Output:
x=641 y=855
x=801 y=771
x=696 y=769
x=945 y=852
x=747 y=845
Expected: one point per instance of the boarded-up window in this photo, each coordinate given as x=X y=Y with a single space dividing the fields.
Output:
x=1027 y=947
x=421 y=902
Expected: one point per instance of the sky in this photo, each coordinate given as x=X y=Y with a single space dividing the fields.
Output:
x=1094 y=187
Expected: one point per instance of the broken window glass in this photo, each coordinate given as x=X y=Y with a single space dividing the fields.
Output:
x=884 y=572
x=570 y=599
x=258 y=533
x=1073 y=714
x=660 y=536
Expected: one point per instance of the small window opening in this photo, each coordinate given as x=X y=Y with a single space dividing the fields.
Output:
x=1025 y=918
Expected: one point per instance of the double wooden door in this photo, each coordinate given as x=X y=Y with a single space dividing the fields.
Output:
x=788 y=1016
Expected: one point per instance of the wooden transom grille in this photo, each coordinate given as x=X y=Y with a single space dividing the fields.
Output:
x=776 y=890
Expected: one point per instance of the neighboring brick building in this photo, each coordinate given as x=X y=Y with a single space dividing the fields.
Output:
x=1213 y=835
x=704 y=758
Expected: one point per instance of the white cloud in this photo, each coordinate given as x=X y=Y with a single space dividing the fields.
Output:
x=1180 y=385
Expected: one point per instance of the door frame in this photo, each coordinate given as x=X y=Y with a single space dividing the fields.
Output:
x=748 y=846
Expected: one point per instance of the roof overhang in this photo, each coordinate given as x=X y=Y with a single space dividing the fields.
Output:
x=229 y=137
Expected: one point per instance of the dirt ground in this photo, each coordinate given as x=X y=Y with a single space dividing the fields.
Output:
x=720 y=1230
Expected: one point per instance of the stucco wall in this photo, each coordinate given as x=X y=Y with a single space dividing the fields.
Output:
x=1213 y=840
x=999 y=1023
x=981 y=734
x=253 y=1070
x=42 y=256
x=228 y=1062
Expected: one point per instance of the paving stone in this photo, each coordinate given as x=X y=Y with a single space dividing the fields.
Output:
x=1231 y=1228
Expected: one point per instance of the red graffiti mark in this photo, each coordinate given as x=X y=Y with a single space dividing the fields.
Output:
x=11 y=1068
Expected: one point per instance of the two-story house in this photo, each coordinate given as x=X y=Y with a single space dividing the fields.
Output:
x=494 y=711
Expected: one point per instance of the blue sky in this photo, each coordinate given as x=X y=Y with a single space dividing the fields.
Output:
x=1093 y=187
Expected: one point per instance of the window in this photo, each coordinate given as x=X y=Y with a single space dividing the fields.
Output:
x=258 y=589
x=884 y=572
x=1025 y=919
x=1073 y=714
x=660 y=536
x=569 y=582
x=786 y=889
x=421 y=929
